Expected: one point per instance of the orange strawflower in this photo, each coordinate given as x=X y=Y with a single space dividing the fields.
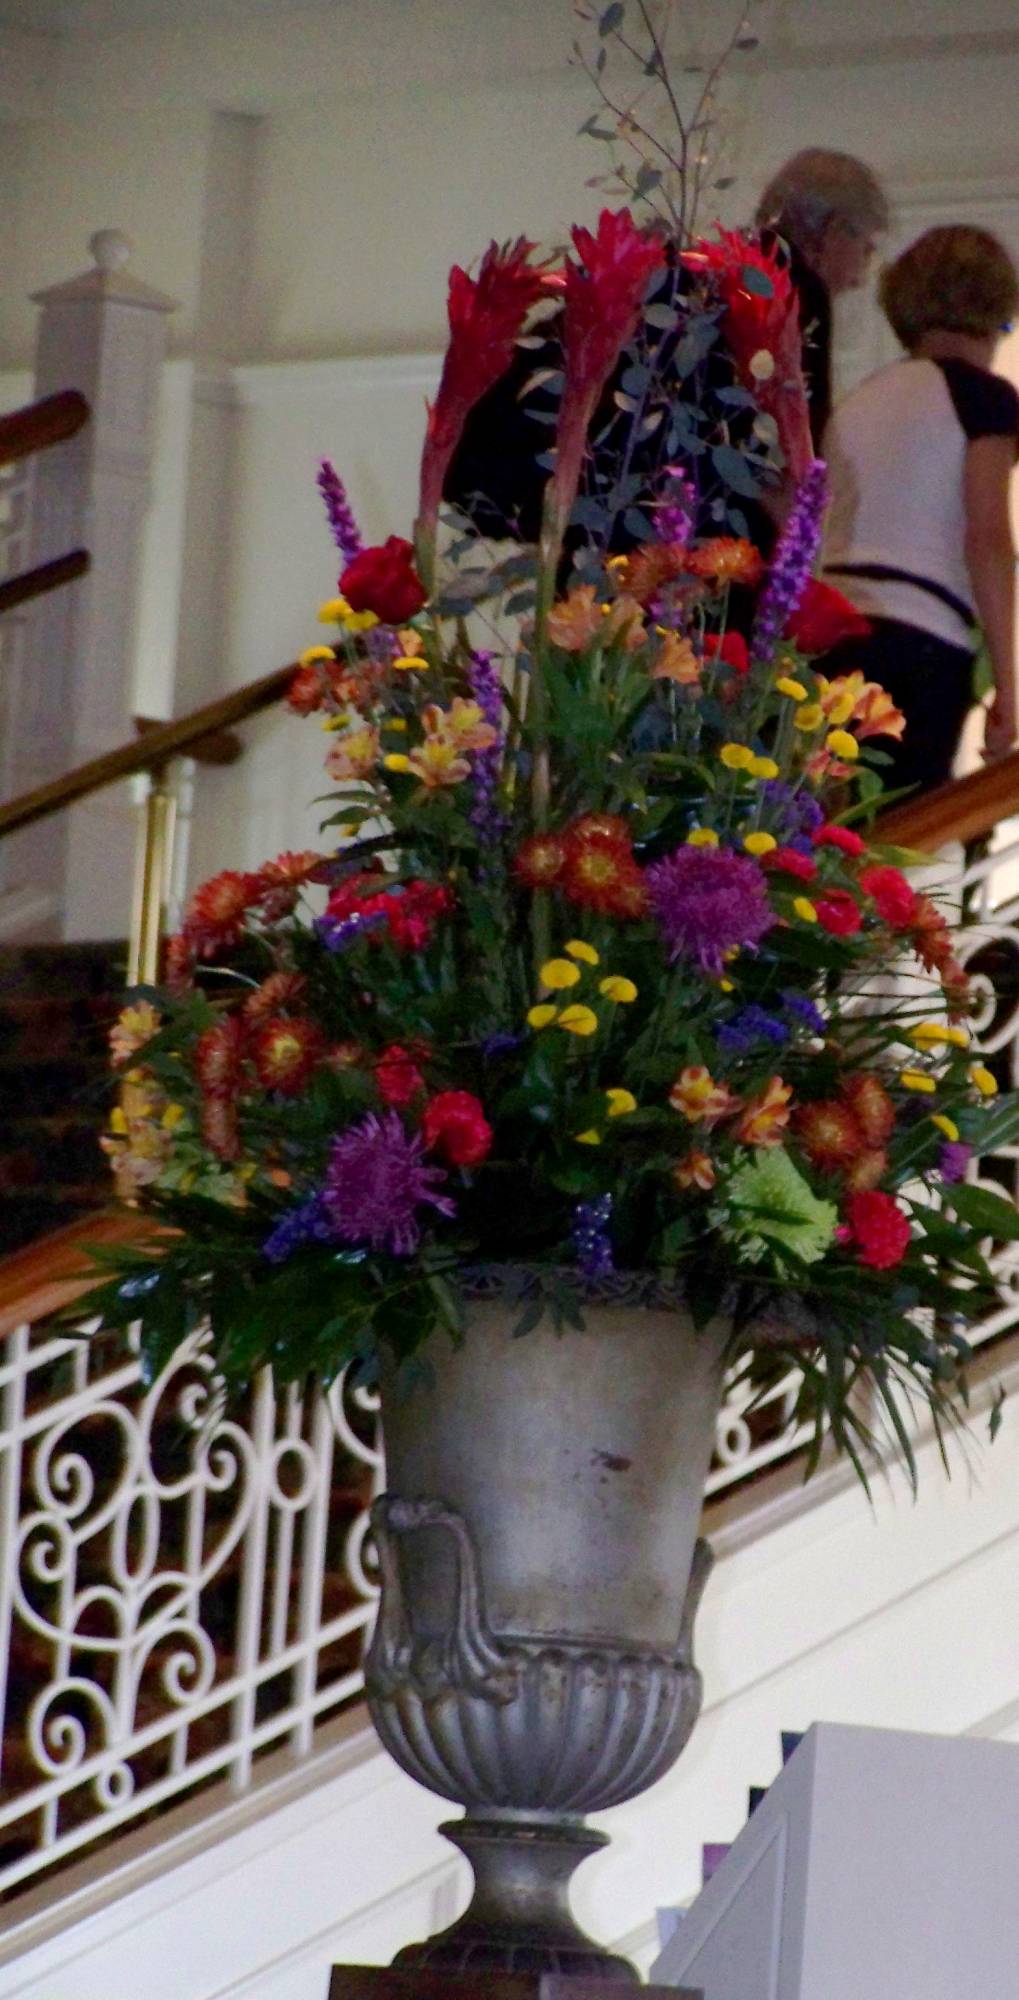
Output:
x=539 y=860
x=830 y=1134
x=279 y=990
x=654 y=566
x=285 y=1053
x=871 y=1106
x=726 y=559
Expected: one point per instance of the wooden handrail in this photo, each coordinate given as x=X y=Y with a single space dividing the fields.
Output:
x=961 y=810
x=56 y=1270
x=52 y=420
x=147 y=753
x=44 y=577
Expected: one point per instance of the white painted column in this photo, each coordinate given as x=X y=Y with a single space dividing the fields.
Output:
x=104 y=333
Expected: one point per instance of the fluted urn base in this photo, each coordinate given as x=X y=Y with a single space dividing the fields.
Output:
x=519 y=1918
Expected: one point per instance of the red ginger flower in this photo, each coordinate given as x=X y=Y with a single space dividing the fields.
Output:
x=761 y=328
x=455 y=1125
x=894 y=900
x=220 y=1129
x=604 y=294
x=218 y=1054
x=285 y=1053
x=179 y=960
x=931 y=938
x=879 y=1228
x=214 y=918
x=823 y=618
x=486 y=314
x=397 y=1076
x=385 y=581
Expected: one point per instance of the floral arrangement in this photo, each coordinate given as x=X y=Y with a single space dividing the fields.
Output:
x=581 y=982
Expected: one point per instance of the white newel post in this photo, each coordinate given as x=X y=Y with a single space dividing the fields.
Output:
x=104 y=333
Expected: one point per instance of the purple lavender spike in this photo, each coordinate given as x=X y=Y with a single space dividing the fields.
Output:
x=792 y=563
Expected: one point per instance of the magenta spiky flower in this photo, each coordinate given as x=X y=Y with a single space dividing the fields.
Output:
x=376 y=1180
x=708 y=902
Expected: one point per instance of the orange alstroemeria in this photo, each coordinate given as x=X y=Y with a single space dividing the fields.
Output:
x=875 y=713
x=355 y=754
x=700 y=1100
x=581 y=620
x=438 y=761
x=677 y=661
x=766 y=1116
x=695 y=1170
x=463 y=724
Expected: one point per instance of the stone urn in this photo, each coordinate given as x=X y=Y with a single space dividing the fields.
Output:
x=540 y=1569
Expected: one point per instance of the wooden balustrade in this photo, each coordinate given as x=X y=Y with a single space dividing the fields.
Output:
x=52 y=420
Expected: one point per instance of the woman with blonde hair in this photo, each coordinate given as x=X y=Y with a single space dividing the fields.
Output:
x=919 y=533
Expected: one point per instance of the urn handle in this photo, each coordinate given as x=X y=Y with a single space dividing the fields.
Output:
x=466 y=1657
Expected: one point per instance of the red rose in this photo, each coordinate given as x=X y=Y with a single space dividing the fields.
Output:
x=455 y=1125
x=841 y=837
x=789 y=861
x=732 y=649
x=879 y=1228
x=895 y=901
x=398 y=1076
x=823 y=618
x=838 y=912
x=385 y=581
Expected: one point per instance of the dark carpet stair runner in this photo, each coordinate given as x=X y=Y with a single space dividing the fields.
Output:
x=57 y=1002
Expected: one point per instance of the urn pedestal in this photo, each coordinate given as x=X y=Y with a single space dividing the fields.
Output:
x=532 y=1659
x=377 y=1982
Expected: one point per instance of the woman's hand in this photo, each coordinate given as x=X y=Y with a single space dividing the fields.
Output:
x=999 y=729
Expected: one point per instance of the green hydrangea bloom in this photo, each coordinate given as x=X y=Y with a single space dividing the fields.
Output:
x=769 y=1207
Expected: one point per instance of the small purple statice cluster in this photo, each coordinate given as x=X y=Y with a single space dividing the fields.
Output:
x=485 y=815
x=796 y=816
x=752 y=1024
x=591 y=1240
x=339 y=933
x=955 y=1158
x=676 y=511
x=792 y=564
x=307 y=1223
x=801 y=1008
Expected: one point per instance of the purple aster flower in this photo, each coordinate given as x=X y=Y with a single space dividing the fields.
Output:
x=955 y=1158
x=752 y=1024
x=501 y=1044
x=792 y=563
x=591 y=1240
x=345 y=531
x=339 y=933
x=676 y=511
x=794 y=815
x=307 y=1223
x=802 y=1008
x=708 y=902
x=375 y=1180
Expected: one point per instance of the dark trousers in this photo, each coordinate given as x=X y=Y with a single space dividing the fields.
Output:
x=929 y=679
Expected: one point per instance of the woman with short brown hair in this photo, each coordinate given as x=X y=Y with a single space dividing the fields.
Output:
x=919 y=533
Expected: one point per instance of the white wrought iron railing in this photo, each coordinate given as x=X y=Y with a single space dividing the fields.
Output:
x=183 y=1588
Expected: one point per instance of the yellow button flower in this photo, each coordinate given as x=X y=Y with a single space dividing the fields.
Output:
x=726 y=986
x=702 y=836
x=542 y=1016
x=558 y=973
x=396 y=761
x=760 y=843
x=578 y=1020
x=172 y=1117
x=809 y=717
x=736 y=756
x=618 y=988
x=396 y=722
x=359 y=621
x=930 y=1035
x=804 y=908
x=313 y=654
x=841 y=709
x=984 y=1081
x=763 y=767
x=946 y=1125
x=620 y=1102
x=407 y=663
x=118 y=1120
x=333 y=611
x=841 y=744
x=579 y=948
x=794 y=689
x=917 y=1079
x=588 y=1138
